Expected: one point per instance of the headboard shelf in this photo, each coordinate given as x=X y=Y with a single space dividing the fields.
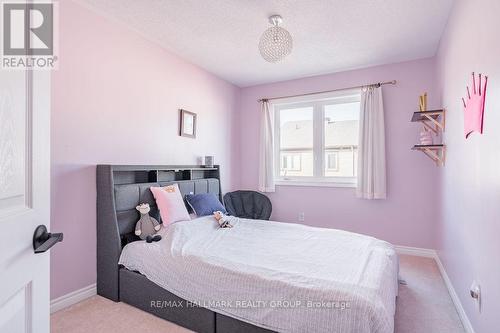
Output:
x=160 y=167
x=132 y=174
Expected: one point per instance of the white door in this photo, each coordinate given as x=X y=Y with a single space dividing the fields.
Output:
x=24 y=199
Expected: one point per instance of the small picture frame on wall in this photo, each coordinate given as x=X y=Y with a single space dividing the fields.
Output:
x=187 y=126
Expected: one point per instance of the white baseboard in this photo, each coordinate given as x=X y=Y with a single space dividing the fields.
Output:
x=428 y=253
x=416 y=251
x=454 y=297
x=72 y=298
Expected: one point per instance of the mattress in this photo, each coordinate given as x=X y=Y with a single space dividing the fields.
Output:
x=280 y=276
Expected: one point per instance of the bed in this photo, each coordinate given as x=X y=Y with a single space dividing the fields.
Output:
x=259 y=276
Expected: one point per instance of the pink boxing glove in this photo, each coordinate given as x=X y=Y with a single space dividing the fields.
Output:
x=474 y=107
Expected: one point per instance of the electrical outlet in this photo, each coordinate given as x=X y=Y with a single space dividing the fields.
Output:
x=475 y=293
x=302 y=217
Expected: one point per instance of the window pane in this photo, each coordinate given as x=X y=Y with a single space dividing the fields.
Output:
x=341 y=139
x=296 y=142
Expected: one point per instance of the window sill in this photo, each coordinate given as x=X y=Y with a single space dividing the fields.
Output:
x=313 y=183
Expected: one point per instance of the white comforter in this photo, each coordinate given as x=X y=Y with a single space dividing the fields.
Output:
x=280 y=276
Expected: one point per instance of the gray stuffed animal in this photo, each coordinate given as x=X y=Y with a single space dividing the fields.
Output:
x=147 y=226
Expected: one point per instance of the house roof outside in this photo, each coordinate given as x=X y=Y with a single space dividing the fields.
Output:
x=298 y=135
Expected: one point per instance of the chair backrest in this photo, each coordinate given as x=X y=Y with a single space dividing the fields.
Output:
x=248 y=204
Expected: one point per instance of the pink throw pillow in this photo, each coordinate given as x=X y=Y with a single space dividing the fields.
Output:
x=170 y=203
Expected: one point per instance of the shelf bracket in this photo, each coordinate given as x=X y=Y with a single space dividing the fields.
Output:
x=429 y=127
x=433 y=120
x=437 y=125
x=434 y=155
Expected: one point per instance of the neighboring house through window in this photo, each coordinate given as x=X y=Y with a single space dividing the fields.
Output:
x=291 y=161
x=332 y=160
x=317 y=139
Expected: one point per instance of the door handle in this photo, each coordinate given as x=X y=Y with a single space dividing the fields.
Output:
x=44 y=240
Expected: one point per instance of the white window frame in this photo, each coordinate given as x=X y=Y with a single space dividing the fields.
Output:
x=318 y=103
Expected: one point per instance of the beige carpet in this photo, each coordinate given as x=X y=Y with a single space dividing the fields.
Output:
x=423 y=305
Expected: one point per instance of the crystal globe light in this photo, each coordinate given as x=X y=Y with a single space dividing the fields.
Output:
x=276 y=42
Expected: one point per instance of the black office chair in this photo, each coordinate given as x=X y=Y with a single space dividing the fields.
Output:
x=248 y=204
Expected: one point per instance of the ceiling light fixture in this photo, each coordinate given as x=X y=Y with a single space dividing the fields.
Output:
x=276 y=42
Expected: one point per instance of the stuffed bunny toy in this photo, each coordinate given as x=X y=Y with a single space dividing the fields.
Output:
x=147 y=226
x=223 y=220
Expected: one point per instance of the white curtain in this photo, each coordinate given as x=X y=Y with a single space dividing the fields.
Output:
x=266 y=160
x=371 y=149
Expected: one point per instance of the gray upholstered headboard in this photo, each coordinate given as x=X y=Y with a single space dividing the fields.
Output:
x=119 y=190
x=128 y=196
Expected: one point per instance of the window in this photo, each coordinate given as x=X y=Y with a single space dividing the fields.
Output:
x=291 y=162
x=332 y=161
x=317 y=140
x=296 y=142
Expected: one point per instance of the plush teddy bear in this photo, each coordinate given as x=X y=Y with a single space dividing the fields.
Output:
x=147 y=226
x=222 y=219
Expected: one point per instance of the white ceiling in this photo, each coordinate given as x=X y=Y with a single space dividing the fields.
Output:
x=221 y=36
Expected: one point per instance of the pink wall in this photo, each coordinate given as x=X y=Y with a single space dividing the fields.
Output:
x=469 y=237
x=408 y=216
x=115 y=99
